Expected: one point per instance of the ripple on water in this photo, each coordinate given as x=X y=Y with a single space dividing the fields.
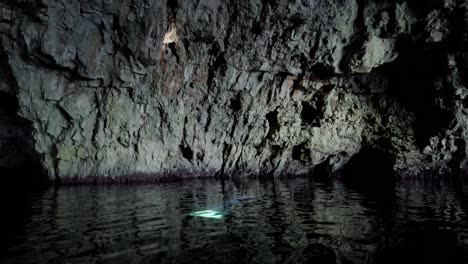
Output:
x=286 y=222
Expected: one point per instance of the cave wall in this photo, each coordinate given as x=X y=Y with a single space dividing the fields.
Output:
x=196 y=88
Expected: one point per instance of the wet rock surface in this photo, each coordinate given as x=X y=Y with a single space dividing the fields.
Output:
x=199 y=88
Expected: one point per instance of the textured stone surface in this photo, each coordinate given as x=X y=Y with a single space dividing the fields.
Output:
x=189 y=88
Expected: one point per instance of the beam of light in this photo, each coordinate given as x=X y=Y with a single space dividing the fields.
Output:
x=208 y=214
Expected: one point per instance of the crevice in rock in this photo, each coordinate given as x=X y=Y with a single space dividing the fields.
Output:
x=172 y=47
x=309 y=114
x=357 y=40
x=313 y=111
x=120 y=39
x=276 y=152
x=200 y=156
x=322 y=170
x=257 y=29
x=462 y=63
x=99 y=102
x=236 y=103
x=233 y=128
x=273 y=123
x=218 y=65
x=301 y=153
x=172 y=6
x=187 y=152
x=20 y=164
x=314 y=49
x=48 y=61
x=208 y=118
x=461 y=26
x=297 y=84
x=233 y=15
x=65 y=114
x=465 y=102
x=8 y=103
x=226 y=151
x=294 y=22
x=55 y=163
x=389 y=29
x=458 y=157
x=322 y=71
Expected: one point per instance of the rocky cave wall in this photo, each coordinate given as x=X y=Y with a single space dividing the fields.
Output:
x=155 y=88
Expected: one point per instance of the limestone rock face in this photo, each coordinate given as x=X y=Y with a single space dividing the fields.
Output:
x=116 y=88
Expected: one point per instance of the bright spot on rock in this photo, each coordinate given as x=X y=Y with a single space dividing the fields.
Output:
x=208 y=214
x=171 y=36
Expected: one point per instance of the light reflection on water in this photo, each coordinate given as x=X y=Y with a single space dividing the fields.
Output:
x=152 y=224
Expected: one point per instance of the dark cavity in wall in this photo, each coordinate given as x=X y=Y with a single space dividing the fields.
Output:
x=322 y=71
x=313 y=111
x=412 y=80
x=172 y=5
x=322 y=171
x=309 y=113
x=19 y=163
x=301 y=153
x=187 y=152
x=8 y=103
x=236 y=103
x=459 y=156
x=370 y=168
x=272 y=118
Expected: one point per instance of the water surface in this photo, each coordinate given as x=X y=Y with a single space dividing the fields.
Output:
x=287 y=221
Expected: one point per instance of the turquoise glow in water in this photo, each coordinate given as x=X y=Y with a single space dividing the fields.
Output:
x=221 y=211
x=208 y=214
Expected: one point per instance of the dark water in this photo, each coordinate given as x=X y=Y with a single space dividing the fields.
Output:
x=290 y=221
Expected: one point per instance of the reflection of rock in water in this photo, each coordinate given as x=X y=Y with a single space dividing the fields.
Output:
x=316 y=253
x=227 y=249
x=423 y=245
x=214 y=253
x=290 y=222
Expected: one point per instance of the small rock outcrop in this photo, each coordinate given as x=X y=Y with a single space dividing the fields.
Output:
x=191 y=88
